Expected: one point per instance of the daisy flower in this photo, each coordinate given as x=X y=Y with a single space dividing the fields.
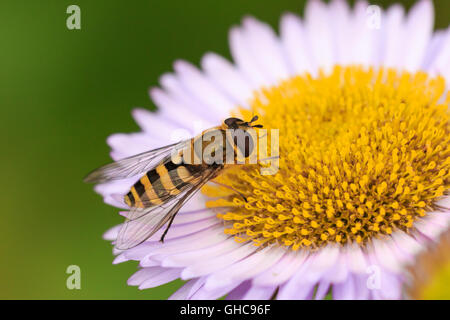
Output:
x=364 y=164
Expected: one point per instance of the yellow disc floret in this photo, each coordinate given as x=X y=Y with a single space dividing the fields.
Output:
x=363 y=153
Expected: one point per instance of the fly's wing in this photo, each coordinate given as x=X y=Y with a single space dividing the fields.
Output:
x=132 y=166
x=136 y=231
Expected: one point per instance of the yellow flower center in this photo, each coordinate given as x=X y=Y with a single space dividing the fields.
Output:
x=363 y=153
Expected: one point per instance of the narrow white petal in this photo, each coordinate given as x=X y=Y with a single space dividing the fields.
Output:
x=356 y=259
x=345 y=290
x=246 y=268
x=266 y=48
x=362 y=291
x=184 y=259
x=204 y=90
x=158 y=278
x=134 y=143
x=339 y=272
x=187 y=290
x=204 y=294
x=225 y=75
x=120 y=258
x=180 y=230
x=385 y=255
x=245 y=60
x=434 y=47
x=341 y=31
x=142 y=275
x=393 y=27
x=259 y=293
x=295 y=44
x=296 y=289
x=283 y=270
x=322 y=290
x=419 y=28
x=182 y=96
x=364 y=37
x=407 y=243
x=206 y=267
x=112 y=233
x=317 y=25
x=191 y=123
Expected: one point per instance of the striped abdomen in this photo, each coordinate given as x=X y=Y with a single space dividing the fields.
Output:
x=160 y=184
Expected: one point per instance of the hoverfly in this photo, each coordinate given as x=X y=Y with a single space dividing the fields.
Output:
x=170 y=176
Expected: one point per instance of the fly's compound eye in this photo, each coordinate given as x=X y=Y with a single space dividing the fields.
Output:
x=243 y=140
x=233 y=123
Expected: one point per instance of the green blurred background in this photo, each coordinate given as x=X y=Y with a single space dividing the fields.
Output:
x=62 y=92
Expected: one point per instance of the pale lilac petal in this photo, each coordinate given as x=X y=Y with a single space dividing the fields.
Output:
x=204 y=294
x=344 y=290
x=322 y=261
x=187 y=290
x=428 y=228
x=160 y=276
x=322 y=290
x=444 y=202
x=142 y=275
x=364 y=38
x=319 y=33
x=189 y=123
x=180 y=230
x=126 y=145
x=419 y=27
x=296 y=289
x=407 y=243
x=120 y=258
x=239 y=292
x=385 y=255
x=149 y=262
x=259 y=293
x=283 y=270
x=245 y=59
x=200 y=268
x=362 y=291
x=246 y=268
x=117 y=187
x=156 y=128
x=339 y=272
x=196 y=240
x=112 y=233
x=181 y=96
x=266 y=48
x=340 y=12
x=184 y=258
x=203 y=89
x=226 y=76
x=295 y=44
x=390 y=286
x=394 y=35
x=434 y=48
x=355 y=259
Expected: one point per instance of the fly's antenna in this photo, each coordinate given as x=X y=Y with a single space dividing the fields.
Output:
x=254 y=118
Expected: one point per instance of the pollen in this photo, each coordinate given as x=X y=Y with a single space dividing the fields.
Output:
x=363 y=152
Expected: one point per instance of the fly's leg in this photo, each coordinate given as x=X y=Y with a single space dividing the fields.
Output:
x=231 y=188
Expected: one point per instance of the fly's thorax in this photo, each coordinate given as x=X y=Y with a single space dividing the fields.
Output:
x=219 y=146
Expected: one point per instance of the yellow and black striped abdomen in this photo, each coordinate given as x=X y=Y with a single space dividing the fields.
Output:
x=160 y=184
